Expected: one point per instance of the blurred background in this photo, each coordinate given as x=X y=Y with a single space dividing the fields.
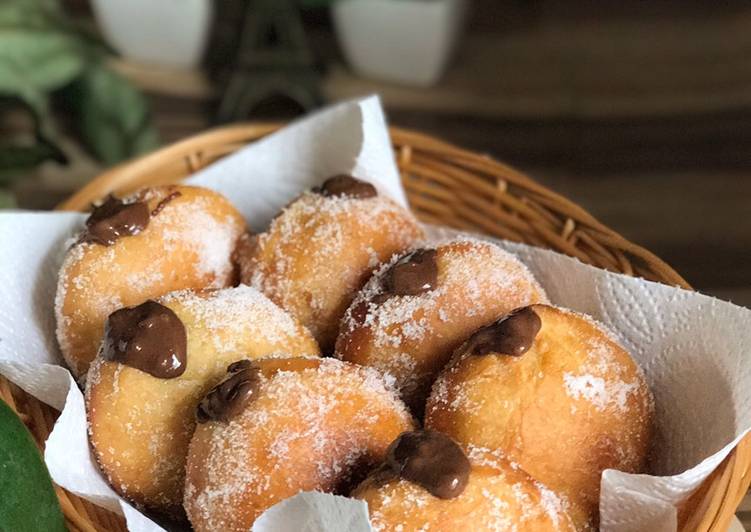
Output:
x=638 y=111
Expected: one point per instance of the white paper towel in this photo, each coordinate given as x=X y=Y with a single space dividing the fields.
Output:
x=693 y=348
x=314 y=512
x=263 y=177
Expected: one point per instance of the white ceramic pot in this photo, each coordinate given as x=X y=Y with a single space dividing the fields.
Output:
x=164 y=32
x=403 y=41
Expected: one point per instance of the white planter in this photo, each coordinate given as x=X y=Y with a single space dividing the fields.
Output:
x=404 y=41
x=164 y=32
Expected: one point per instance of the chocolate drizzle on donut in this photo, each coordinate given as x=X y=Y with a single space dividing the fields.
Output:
x=228 y=398
x=346 y=185
x=114 y=219
x=149 y=337
x=413 y=274
x=164 y=201
x=431 y=460
x=512 y=335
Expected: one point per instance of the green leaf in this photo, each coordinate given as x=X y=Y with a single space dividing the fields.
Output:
x=16 y=156
x=24 y=157
x=40 y=50
x=7 y=201
x=40 y=47
x=45 y=15
x=28 y=13
x=27 y=500
x=42 y=60
x=113 y=116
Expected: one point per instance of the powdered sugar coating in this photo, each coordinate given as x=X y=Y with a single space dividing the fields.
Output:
x=576 y=393
x=140 y=426
x=319 y=250
x=553 y=504
x=601 y=379
x=499 y=497
x=306 y=429
x=231 y=314
x=412 y=337
x=187 y=244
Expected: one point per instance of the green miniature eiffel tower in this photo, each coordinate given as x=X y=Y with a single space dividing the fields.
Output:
x=273 y=59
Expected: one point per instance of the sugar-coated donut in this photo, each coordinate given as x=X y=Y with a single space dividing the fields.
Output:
x=157 y=362
x=276 y=427
x=428 y=483
x=554 y=392
x=418 y=308
x=155 y=241
x=321 y=249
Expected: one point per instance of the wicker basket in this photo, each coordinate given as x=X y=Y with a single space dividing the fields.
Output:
x=445 y=185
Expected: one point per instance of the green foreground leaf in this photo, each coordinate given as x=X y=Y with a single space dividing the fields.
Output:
x=27 y=500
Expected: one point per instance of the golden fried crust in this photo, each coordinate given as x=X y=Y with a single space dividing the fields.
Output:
x=573 y=405
x=320 y=250
x=412 y=337
x=140 y=425
x=187 y=244
x=498 y=496
x=307 y=428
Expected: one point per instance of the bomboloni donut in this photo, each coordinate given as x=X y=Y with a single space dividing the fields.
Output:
x=428 y=483
x=321 y=249
x=417 y=309
x=276 y=427
x=158 y=360
x=554 y=392
x=155 y=241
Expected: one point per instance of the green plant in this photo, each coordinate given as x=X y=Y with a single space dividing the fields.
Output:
x=46 y=57
x=27 y=500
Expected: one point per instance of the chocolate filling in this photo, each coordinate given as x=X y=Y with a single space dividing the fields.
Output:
x=511 y=335
x=149 y=337
x=346 y=185
x=228 y=398
x=413 y=274
x=113 y=219
x=431 y=460
x=163 y=203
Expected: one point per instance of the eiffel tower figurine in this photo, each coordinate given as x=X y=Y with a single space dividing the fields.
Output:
x=272 y=60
